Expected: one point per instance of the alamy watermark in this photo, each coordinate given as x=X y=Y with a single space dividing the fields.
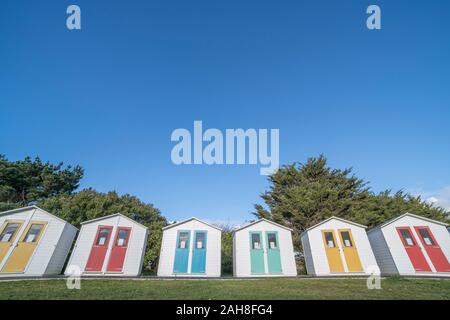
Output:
x=236 y=146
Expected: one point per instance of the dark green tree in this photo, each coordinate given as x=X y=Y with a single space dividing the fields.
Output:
x=89 y=204
x=28 y=180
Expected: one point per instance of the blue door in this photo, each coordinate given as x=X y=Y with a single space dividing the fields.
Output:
x=180 y=265
x=199 y=252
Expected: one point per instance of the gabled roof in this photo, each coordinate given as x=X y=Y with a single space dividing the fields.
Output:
x=33 y=207
x=190 y=219
x=335 y=218
x=384 y=224
x=114 y=215
x=261 y=220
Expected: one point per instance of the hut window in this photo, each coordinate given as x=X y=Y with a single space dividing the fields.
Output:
x=103 y=236
x=256 y=241
x=122 y=238
x=33 y=233
x=272 y=238
x=407 y=237
x=9 y=231
x=426 y=237
x=184 y=237
x=346 y=238
x=329 y=239
x=200 y=240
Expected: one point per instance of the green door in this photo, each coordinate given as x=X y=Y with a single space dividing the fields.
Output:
x=273 y=252
x=256 y=253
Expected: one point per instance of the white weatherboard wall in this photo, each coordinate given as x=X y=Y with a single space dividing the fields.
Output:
x=53 y=247
x=390 y=253
x=314 y=247
x=169 y=243
x=241 y=249
x=134 y=256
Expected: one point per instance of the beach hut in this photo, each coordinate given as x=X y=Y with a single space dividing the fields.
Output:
x=263 y=248
x=337 y=247
x=190 y=248
x=113 y=245
x=411 y=245
x=33 y=242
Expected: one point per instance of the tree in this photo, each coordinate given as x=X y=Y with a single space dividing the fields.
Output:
x=26 y=181
x=302 y=195
x=89 y=204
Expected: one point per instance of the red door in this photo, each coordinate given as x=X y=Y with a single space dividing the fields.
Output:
x=413 y=250
x=433 y=249
x=99 y=249
x=119 y=250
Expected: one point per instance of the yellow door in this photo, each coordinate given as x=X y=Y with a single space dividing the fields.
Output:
x=350 y=252
x=22 y=253
x=8 y=233
x=332 y=250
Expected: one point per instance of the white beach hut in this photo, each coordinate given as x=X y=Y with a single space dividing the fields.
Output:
x=113 y=245
x=190 y=248
x=263 y=248
x=33 y=242
x=337 y=247
x=411 y=245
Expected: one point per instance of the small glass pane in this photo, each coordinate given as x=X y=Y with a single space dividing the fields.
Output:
x=329 y=239
x=200 y=240
x=346 y=238
x=33 y=233
x=122 y=238
x=103 y=236
x=272 y=238
x=426 y=237
x=184 y=237
x=407 y=237
x=8 y=233
x=256 y=241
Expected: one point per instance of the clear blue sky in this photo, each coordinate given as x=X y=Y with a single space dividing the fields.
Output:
x=108 y=97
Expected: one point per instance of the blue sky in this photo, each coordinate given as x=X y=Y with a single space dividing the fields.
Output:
x=108 y=97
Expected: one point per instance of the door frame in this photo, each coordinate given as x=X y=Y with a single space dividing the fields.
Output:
x=262 y=249
x=113 y=244
x=194 y=248
x=21 y=236
x=436 y=245
x=416 y=244
x=12 y=241
x=277 y=249
x=336 y=247
x=99 y=227
x=188 y=248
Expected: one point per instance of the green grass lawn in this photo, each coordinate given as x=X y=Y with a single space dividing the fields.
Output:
x=295 y=288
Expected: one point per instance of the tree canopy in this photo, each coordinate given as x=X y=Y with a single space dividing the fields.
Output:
x=89 y=204
x=302 y=195
x=25 y=181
